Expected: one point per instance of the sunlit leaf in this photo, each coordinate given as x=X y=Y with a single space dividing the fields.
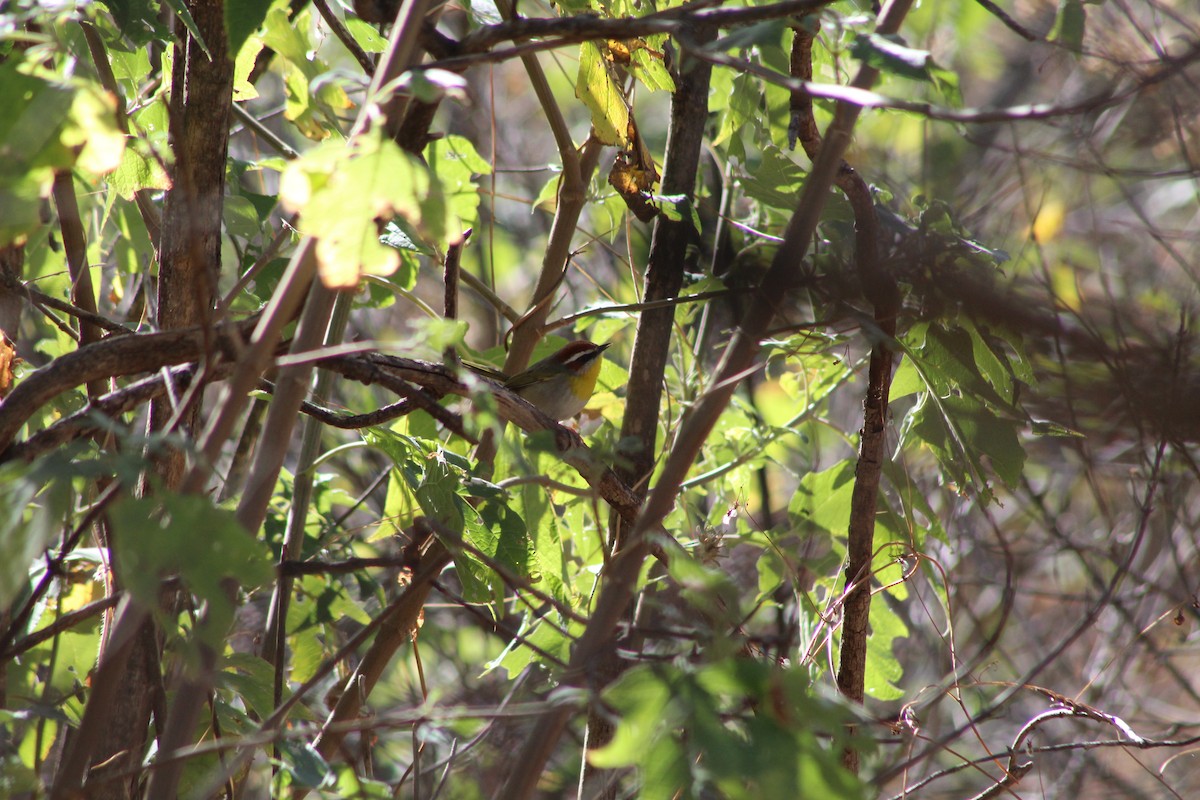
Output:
x=343 y=191
x=596 y=88
x=888 y=53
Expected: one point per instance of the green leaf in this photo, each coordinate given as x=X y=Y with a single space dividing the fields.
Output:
x=437 y=493
x=137 y=19
x=187 y=536
x=962 y=432
x=136 y=173
x=991 y=363
x=947 y=83
x=883 y=670
x=500 y=534
x=644 y=700
x=243 y=66
x=34 y=499
x=250 y=678
x=546 y=638
x=648 y=67
x=185 y=16
x=91 y=131
x=285 y=38
x=906 y=381
x=677 y=208
x=305 y=764
x=1070 y=25
x=688 y=732
x=823 y=498
x=453 y=163
x=596 y=88
x=888 y=53
x=769 y=32
x=341 y=189
x=547 y=198
x=366 y=35
x=743 y=105
x=913 y=501
x=241 y=217
x=549 y=563
x=312 y=94
x=1042 y=427
x=776 y=181
x=242 y=19
x=30 y=140
x=947 y=362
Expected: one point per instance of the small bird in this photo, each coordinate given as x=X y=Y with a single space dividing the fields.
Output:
x=561 y=384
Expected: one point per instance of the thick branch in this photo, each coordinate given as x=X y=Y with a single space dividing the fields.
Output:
x=881 y=290
x=110 y=358
x=585 y=27
x=665 y=267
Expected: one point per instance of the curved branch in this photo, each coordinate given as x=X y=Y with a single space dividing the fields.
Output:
x=111 y=358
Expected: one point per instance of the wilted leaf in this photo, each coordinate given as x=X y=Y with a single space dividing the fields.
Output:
x=8 y=360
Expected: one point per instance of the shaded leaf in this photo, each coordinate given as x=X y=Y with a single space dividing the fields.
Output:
x=242 y=19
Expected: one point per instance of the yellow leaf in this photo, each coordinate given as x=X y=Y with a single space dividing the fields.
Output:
x=1049 y=221
x=596 y=88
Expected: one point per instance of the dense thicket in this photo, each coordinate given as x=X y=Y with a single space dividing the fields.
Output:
x=886 y=489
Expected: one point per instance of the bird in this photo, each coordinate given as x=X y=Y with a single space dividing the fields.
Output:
x=559 y=385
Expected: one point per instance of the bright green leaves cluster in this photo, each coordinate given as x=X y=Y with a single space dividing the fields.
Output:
x=340 y=190
x=345 y=190
x=52 y=126
x=736 y=727
x=313 y=99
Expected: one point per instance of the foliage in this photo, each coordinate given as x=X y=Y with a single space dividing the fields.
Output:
x=1038 y=435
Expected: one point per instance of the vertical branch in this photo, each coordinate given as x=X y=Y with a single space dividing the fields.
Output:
x=189 y=271
x=666 y=265
x=190 y=250
x=665 y=268
x=291 y=387
x=75 y=247
x=881 y=291
x=189 y=263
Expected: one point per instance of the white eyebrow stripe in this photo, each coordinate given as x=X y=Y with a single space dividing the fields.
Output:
x=581 y=356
